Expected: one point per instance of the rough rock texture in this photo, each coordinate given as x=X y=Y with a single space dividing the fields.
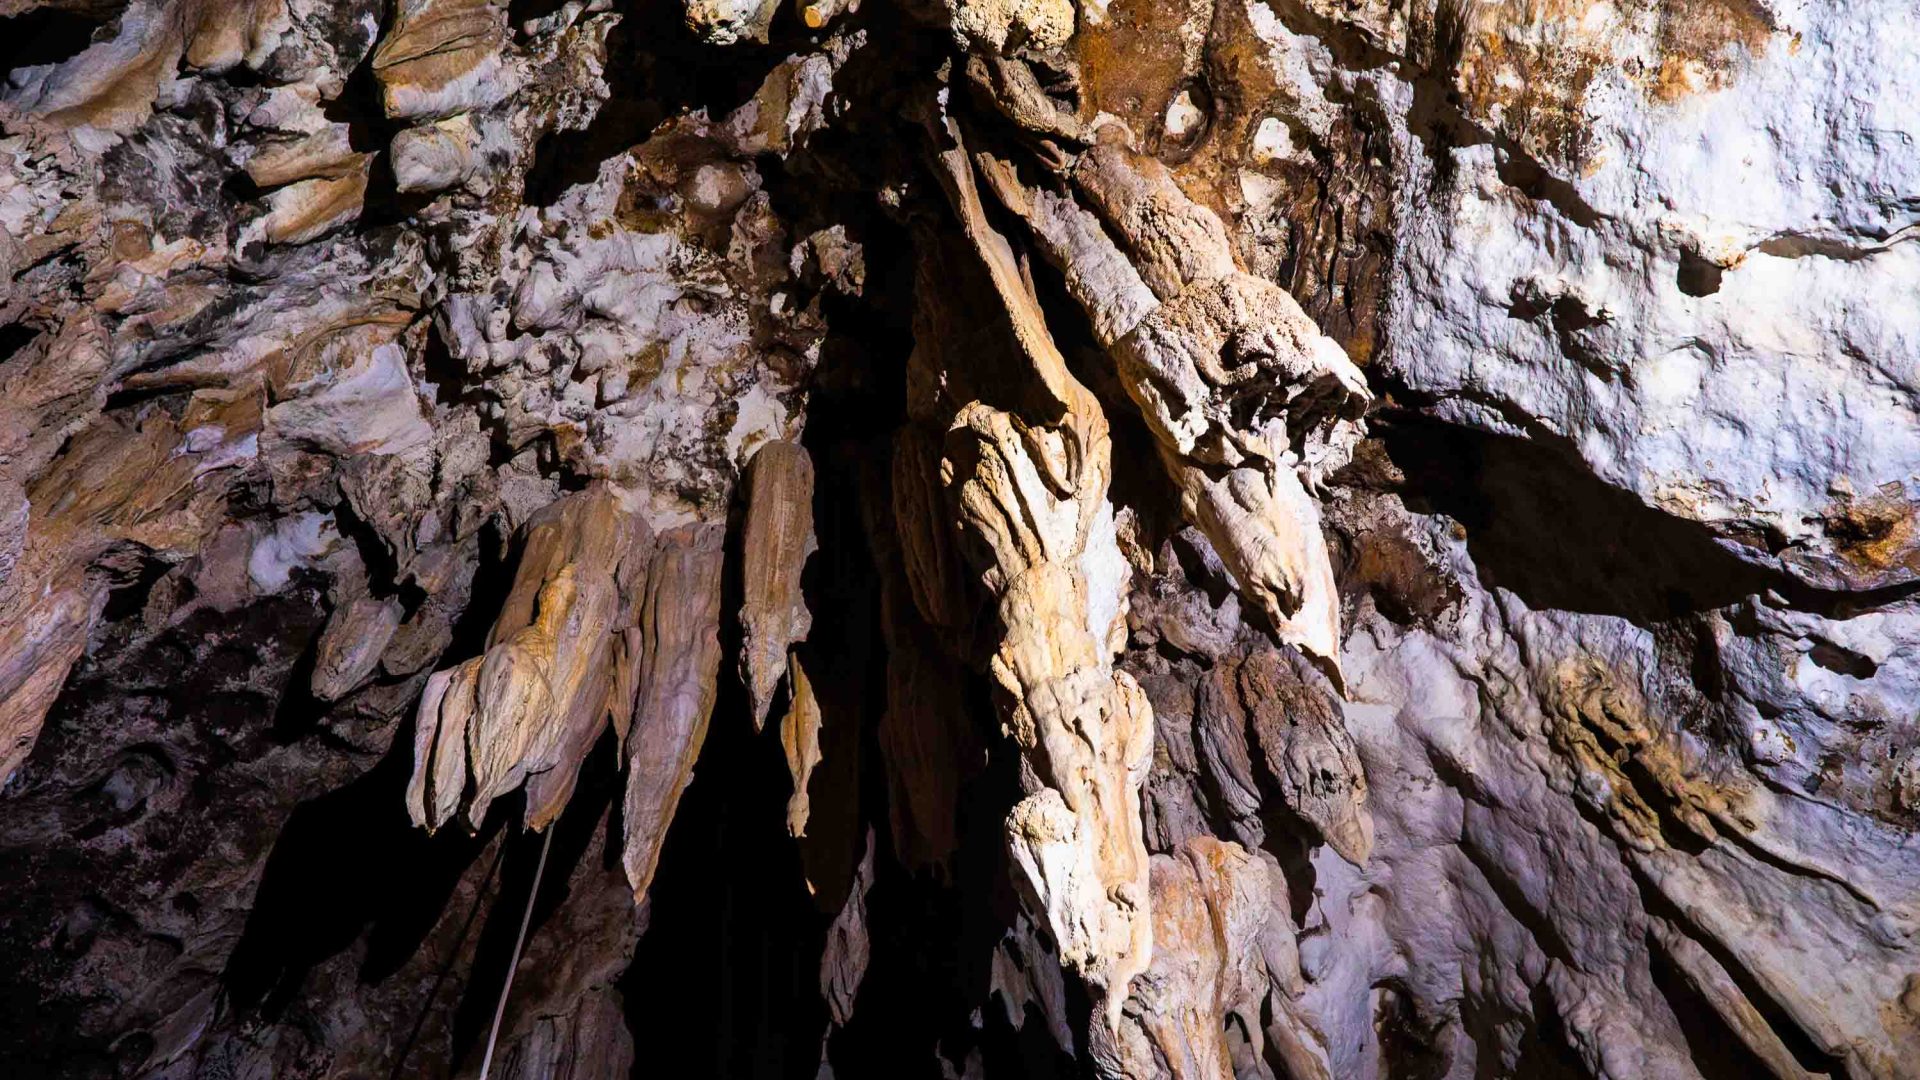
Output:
x=675 y=667
x=775 y=542
x=1279 y=539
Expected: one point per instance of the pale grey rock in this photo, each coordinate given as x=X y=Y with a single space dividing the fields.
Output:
x=725 y=22
x=294 y=542
x=1701 y=309
x=368 y=408
x=436 y=156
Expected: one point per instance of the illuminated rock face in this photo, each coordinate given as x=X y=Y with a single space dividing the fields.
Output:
x=1255 y=538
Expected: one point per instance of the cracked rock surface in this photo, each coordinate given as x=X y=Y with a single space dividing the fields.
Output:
x=1271 y=539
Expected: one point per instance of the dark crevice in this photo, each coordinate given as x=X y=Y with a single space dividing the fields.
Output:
x=133 y=397
x=1797 y=1041
x=1547 y=1051
x=1698 y=276
x=454 y=956
x=1295 y=856
x=1802 y=246
x=657 y=68
x=728 y=967
x=361 y=106
x=347 y=863
x=1352 y=48
x=1842 y=661
x=1407 y=1046
x=577 y=838
x=1716 y=1048
x=1523 y=173
x=1539 y=523
x=15 y=337
x=142 y=776
x=129 y=598
x=51 y=35
x=492 y=581
x=452 y=383
x=298 y=714
x=1543 y=527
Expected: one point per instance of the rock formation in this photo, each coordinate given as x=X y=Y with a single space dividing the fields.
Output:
x=1281 y=539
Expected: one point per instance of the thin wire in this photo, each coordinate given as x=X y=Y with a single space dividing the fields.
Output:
x=526 y=918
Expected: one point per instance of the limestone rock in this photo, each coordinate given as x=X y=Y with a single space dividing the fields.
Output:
x=593 y=1042
x=1662 y=347
x=725 y=22
x=435 y=156
x=155 y=484
x=1211 y=902
x=325 y=153
x=350 y=647
x=1355 y=538
x=775 y=544
x=1303 y=743
x=1029 y=487
x=1249 y=403
x=368 y=405
x=536 y=700
x=443 y=57
x=679 y=620
x=1007 y=24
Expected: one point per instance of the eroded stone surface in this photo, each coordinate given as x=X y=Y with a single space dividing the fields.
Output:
x=1353 y=538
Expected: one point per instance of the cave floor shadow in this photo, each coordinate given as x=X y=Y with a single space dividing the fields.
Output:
x=348 y=863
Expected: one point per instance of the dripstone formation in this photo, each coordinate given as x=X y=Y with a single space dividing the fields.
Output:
x=1280 y=539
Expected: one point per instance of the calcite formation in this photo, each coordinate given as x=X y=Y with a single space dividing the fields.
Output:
x=1237 y=385
x=1273 y=539
x=776 y=539
x=1024 y=463
x=675 y=667
x=1212 y=901
x=555 y=671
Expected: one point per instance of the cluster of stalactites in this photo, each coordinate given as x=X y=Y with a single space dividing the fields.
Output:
x=610 y=624
x=1249 y=405
x=1001 y=487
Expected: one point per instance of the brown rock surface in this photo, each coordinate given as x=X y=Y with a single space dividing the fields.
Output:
x=679 y=621
x=1276 y=539
x=774 y=546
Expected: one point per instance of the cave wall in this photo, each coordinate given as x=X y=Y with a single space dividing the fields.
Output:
x=1256 y=538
